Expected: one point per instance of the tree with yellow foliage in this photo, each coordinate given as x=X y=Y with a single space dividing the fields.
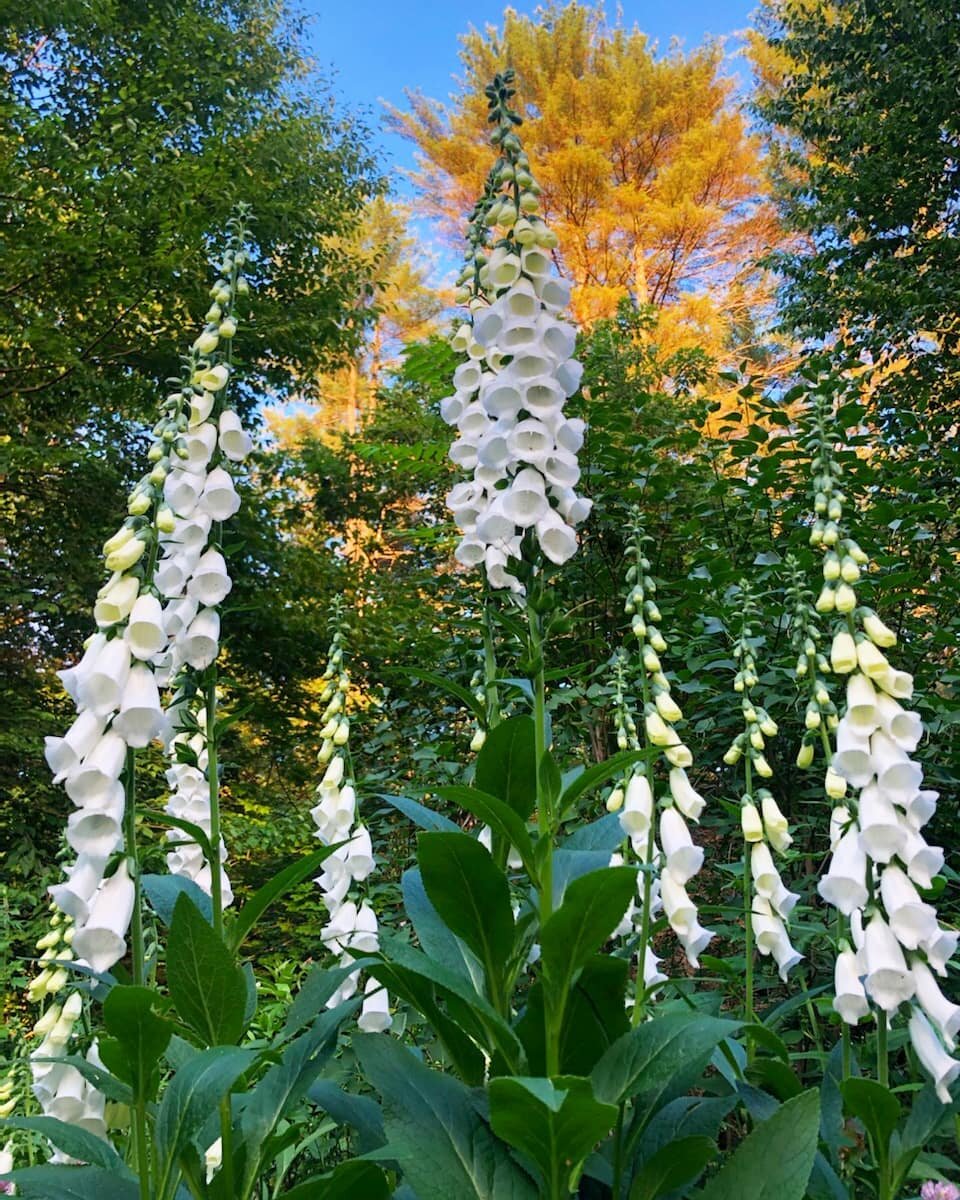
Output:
x=648 y=173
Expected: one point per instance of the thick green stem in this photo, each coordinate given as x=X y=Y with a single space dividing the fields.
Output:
x=226 y=1146
x=490 y=667
x=748 y=1009
x=213 y=781
x=545 y=815
x=618 y=1152
x=646 y=925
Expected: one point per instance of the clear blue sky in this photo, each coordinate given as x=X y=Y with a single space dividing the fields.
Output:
x=379 y=47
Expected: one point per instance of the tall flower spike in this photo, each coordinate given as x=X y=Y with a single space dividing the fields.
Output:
x=351 y=926
x=514 y=438
x=767 y=902
x=879 y=856
x=669 y=867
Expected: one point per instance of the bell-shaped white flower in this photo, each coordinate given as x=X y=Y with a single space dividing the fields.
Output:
x=73 y=896
x=944 y=1014
x=922 y=860
x=694 y=941
x=64 y=754
x=889 y=982
x=898 y=684
x=844 y=885
x=102 y=682
x=201 y=406
x=679 y=909
x=181 y=490
x=234 y=441
x=145 y=631
x=210 y=582
x=97 y=832
x=358 y=854
x=375 y=1013
x=883 y=830
x=557 y=540
x=637 y=811
x=199 y=444
x=903 y=728
x=173 y=571
x=99 y=771
x=772 y=938
x=219 y=497
x=910 y=918
x=496 y=561
x=67 y=1102
x=102 y=940
x=558 y=337
x=921 y=807
x=179 y=614
x=766 y=877
x=775 y=824
x=850 y=999
x=782 y=900
x=934 y=1059
x=897 y=775
x=568 y=375
x=543 y=397
x=560 y=469
x=853 y=759
x=684 y=859
x=684 y=796
x=940 y=948
x=201 y=642
x=116 y=600
x=861 y=716
x=555 y=294
x=141 y=717
x=471 y=551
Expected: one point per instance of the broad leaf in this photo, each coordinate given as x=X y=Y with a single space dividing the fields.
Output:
x=496 y=813
x=591 y=910
x=138 y=1039
x=420 y=815
x=775 y=1161
x=78 y=1143
x=72 y=1183
x=359 y=1112
x=189 y=1099
x=596 y=775
x=555 y=1122
x=472 y=895
x=507 y=764
x=650 y=1057
x=314 y=993
x=434 y=936
x=676 y=1165
x=606 y=834
x=206 y=984
x=569 y=865
x=352 y=1180
x=163 y=891
x=434 y=1130
x=876 y=1107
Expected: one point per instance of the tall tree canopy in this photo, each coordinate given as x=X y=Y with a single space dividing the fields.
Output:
x=649 y=175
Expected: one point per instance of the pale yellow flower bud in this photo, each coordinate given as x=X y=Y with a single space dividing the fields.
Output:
x=872 y=663
x=476 y=742
x=834 y=784
x=877 y=632
x=805 y=756
x=843 y=653
x=667 y=707
x=126 y=556
x=615 y=800
x=751 y=823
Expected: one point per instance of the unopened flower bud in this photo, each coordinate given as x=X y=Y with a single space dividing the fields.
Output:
x=805 y=756
x=750 y=822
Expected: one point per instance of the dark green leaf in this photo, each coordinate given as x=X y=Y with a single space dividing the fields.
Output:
x=678 y=1164
x=352 y=1180
x=594 y=776
x=206 y=984
x=507 y=765
x=436 y=939
x=78 y=1143
x=591 y=910
x=496 y=813
x=420 y=815
x=876 y=1107
x=73 y=1183
x=138 y=1038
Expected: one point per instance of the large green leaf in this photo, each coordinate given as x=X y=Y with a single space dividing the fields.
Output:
x=361 y=1113
x=874 y=1105
x=497 y=813
x=651 y=1056
x=72 y=1140
x=284 y=1085
x=434 y=1131
x=206 y=983
x=775 y=1161
x=472 y=895
x=434 y=936
x=555 y=1122
x=73 y=1183
x=352 y=1180
x=137 y=1041
x=278 y=885
x=314 y=993
x=191 y=1096
x=591 y=910
x=420 y=815
x=163 y=891
x=678 y=1164
x=507 y=765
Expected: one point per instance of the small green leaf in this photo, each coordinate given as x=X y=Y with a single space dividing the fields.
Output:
x=261 y=900
x=555 y=1122
x=419 y=814
x=596 y=775
x=137 y=1041
x=876 y=1107
x=206 y=984
x=674 y=1166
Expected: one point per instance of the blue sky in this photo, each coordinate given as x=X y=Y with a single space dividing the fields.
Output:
x=379 y=47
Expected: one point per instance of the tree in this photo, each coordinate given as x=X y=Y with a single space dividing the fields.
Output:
x=649 y=176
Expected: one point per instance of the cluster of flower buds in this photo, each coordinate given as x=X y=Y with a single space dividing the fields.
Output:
x=879 y=856
x=669 y=866
x=821 y=717
x=187 y=777
x=508 y=404
x=764 y=827
x=351 y=927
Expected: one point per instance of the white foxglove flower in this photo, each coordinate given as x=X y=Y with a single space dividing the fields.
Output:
x=889 y=982
x=219 y=498
x=683 y=858
x=145 y=632
x=73 y=896
x=883 y=831
x=375 y=1013
x=210 y=582
x=96 y=776
x=845 y=884
x=64 y=754
x=637 y=811
x=850 y=999
x=116 y=600
x=201 y=642
x=684 y=796
x=933 y=1057
x=102 y=940
x=911 y=920
x=944 y=1014
x=102 y=682
x=141 y=718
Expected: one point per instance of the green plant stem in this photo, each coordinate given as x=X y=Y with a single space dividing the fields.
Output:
x=646 y=925
x=618 y=1151
x=545 y=814
x=490 y=666
x=883 y=1066
x=748 y=1010
x=138 y=957
x=213 y=781
x=226 y=1146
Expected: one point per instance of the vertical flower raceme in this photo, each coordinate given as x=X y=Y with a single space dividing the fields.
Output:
x=670 y=864
x=352 y=923
x=163 y=583
x=514 y=439
x=767 y=900
x=880 y=861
